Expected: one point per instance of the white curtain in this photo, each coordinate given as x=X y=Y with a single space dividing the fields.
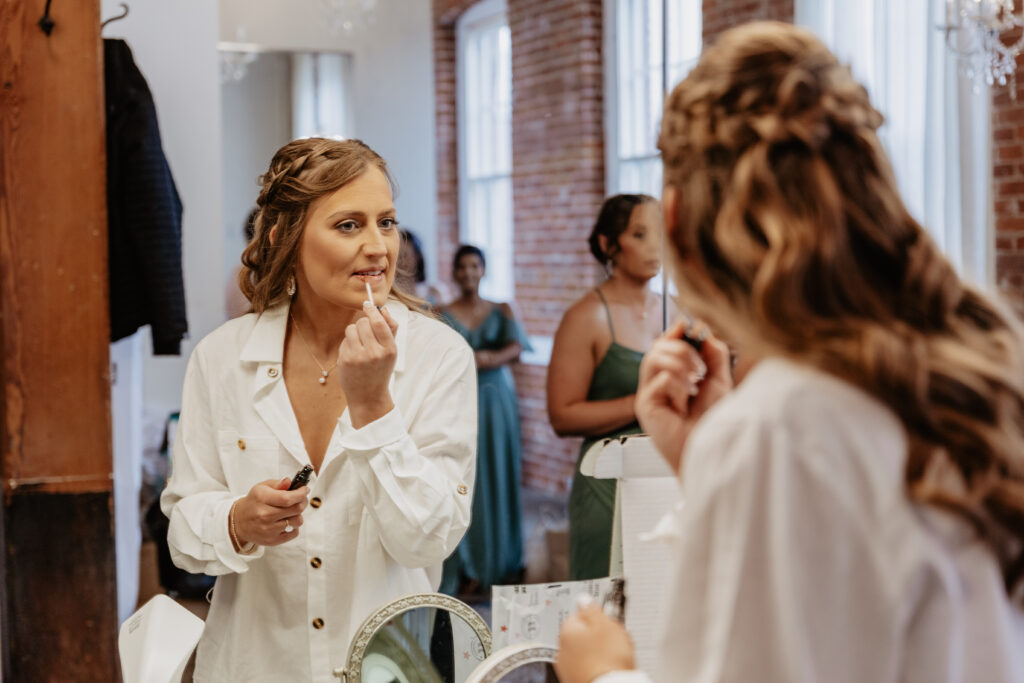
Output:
x=937 y=130
x=484 y=58
x=321 y=95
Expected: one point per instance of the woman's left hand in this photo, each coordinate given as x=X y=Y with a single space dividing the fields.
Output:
x=677 y=386
x=592 y=644
x=366 y=359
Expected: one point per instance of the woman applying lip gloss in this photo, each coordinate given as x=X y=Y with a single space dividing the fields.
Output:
x=336 y=369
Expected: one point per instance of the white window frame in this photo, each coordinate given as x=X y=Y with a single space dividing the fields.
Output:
x=322 y=95
x=499 y=280
x=681 y=57
x=942 y=163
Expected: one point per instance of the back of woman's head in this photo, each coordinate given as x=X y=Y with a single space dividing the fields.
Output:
x=791 y=239
x=612 y=221
x=300 y=173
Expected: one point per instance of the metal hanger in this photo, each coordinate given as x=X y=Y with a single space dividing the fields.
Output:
x=122 y=15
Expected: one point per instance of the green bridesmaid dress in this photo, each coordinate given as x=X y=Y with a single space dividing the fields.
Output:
x=492 y=549
x=592 y=501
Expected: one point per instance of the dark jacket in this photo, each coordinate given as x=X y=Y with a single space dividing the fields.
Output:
x=144 y=210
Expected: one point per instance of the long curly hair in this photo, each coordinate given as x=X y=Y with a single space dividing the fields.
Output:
x=791 y=239
x=300 y=173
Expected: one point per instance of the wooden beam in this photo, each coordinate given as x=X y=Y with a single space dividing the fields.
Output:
x=59 y=593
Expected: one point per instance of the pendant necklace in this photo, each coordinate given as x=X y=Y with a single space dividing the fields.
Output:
x=322 y=379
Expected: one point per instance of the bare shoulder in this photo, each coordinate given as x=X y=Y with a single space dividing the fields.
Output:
x=584 y=323
x=506 y=309
x=586 y=313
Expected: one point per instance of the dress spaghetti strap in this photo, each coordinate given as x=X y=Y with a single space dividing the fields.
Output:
x=607 y=312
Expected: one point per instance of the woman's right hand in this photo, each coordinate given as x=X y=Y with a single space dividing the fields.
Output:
x=262 y=516
x=677 y=386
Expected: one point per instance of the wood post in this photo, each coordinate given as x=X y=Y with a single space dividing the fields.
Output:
x=58 y=598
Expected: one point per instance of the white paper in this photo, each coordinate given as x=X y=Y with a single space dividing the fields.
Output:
x=533 y=613
x=647 y=564
x=156 y=642
x=603 y=460
x=468 y=649
x=648 y=490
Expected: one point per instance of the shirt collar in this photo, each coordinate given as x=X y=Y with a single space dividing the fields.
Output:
x=266 y=342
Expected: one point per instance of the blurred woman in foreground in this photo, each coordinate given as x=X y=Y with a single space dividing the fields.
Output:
x=855 y=509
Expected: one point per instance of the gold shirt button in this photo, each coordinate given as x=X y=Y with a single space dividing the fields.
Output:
x=318 y=623
x=315 y=502
x=463 y=489
x=272 y=372
x=241 y=444
x=315 y=563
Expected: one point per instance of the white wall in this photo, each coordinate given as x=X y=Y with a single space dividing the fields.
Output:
x=257 y=121
x=394 y=85
x=174 y=45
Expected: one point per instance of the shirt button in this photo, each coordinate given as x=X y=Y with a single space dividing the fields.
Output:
x=318 y=623
x=315 y=563
x=315 y=502
x=272 y=372
x=463 y=489
x=241 y=444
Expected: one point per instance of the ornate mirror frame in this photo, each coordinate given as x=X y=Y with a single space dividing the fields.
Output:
x=353 y=670
x=508 y=658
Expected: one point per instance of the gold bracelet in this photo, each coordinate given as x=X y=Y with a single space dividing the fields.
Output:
x=233 y=533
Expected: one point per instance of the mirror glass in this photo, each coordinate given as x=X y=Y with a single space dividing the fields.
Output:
x=422 y=645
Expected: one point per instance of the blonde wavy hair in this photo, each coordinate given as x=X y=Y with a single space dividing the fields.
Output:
x=791 y=239
x=300 y=173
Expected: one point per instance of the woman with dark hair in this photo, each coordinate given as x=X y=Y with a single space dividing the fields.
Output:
x=492 y=551
x=412 y=270
x=595 y=361
x=337 y=370
x=854 y=509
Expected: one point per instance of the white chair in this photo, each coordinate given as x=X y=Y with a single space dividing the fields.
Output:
x=156 y=642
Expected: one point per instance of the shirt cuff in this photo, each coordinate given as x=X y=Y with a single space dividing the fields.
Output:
x=623 y=677
x=383 y=431
x=222 y=545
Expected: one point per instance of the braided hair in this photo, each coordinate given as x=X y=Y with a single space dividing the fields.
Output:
x=300 y=173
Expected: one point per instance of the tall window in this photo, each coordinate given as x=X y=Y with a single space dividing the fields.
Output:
x=484 y=67
x=936 y=129
x=655 y=43
x=321 y=95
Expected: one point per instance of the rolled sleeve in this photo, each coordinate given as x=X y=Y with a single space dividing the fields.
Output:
x=384 y=431
x=197 y=500
x=417 y=480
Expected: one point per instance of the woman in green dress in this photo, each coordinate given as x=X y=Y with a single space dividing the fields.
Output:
x=492 y=549
x=595 y=363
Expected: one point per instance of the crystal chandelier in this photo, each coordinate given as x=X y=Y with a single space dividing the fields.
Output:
x=234 y=64
x=975 y=32
x=349 y=16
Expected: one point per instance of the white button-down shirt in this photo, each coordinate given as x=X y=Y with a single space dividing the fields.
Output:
x=391 y=501
x=801 y=558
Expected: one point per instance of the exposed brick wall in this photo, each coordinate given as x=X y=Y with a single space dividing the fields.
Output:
x=558 y=183
x=446 y=13
x=720 y=15
x=1008 y=188
x=558 y=174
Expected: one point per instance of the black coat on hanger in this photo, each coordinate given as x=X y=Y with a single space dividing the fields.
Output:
x=144 y=209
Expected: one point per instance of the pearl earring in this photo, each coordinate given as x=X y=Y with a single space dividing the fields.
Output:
x=290 y=287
